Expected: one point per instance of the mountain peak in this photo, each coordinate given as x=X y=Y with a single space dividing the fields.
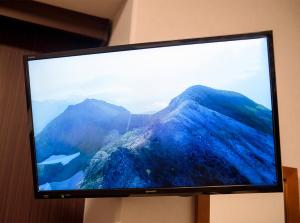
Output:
x=91 y=104
x=198 y=92
x=92 y=100
x=229 y=103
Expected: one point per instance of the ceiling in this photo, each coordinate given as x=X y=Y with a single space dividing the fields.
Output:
x=100 y=8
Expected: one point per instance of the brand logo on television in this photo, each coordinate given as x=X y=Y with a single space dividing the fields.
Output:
x=150 y=191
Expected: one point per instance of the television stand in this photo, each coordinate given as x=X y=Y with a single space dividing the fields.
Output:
x=202 y=208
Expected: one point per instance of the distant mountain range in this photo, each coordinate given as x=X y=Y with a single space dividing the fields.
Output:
x=203 y=137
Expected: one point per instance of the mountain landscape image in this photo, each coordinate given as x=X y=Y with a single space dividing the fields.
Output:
x=202 y=137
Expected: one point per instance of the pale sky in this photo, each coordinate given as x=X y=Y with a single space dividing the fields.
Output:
x=144 y=81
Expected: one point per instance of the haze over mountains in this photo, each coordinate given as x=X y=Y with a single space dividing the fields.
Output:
x=47 y=111
x=203 y=137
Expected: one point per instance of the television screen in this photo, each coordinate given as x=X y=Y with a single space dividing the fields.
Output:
x=174 y=117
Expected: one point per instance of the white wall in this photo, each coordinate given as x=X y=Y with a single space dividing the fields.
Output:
x=155 y=20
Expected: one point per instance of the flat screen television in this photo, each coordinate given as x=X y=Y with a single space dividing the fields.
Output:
x=164 y=118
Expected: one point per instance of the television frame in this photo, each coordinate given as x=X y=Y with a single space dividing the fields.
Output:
x=179 y=191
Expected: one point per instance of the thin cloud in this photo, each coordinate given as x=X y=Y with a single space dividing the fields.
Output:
x=141 y=79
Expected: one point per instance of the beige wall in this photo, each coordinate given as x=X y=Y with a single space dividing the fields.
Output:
x=102 y=210
x=157 y=210
x=154 y=20
x=174 y=19
x=250 y=208
x=121 y=32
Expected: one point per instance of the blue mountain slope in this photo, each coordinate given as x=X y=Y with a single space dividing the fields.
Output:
x=204 y=137
x=82 y=128
x=228 y=103
x=190 y=143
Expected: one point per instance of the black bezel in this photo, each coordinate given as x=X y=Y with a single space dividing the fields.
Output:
x=181 y=191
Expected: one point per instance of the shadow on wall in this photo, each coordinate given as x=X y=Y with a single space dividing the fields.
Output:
x=104 y=210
